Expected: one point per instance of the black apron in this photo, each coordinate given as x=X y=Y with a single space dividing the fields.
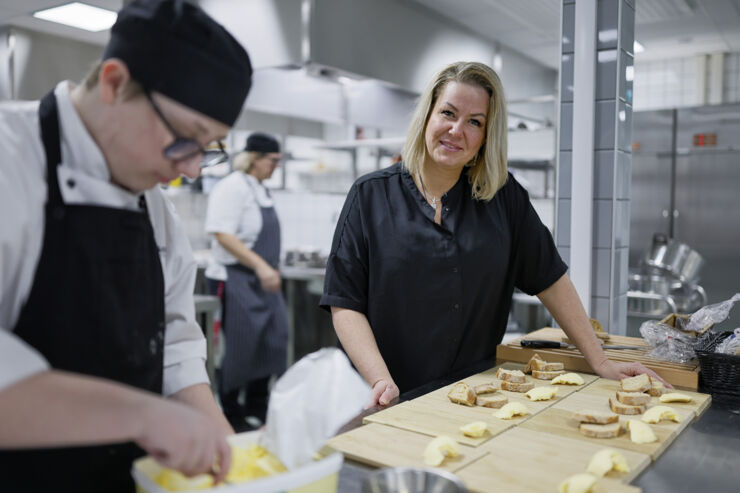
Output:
x=96 y=308
x=255 y=321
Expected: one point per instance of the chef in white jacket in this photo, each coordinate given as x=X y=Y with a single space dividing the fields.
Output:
x=101 y=359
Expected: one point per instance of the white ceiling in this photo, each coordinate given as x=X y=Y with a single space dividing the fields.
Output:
x=667 y=28
x=18 y=13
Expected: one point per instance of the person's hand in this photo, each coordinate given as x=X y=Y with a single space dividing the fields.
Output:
x=384 y=391
x=617 y=370
x=269 y=278
x=182 y=438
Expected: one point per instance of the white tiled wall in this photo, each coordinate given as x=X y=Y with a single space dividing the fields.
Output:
x=672 y=83
x=307 y=219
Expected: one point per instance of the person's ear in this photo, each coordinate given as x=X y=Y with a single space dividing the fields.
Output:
x=113 y=79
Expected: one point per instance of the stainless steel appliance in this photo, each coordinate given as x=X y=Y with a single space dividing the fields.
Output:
x=685 y=180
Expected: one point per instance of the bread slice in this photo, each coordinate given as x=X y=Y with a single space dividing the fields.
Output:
x=461 y=393
x=620 y=408
x=495 y=401
x=515 y=376
x=547 y=375
x=611 y=430
x=537 y=363
x=656 y=387
x=487 y=388
x=598 y=417
x=516 y=386
x=535 y=357
x=633 y=398
x=639 y=383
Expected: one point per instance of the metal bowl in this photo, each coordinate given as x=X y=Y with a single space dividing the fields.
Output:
x=412 y=480
x=675 y=258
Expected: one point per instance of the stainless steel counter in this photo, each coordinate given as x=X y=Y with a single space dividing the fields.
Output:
x=704 y=457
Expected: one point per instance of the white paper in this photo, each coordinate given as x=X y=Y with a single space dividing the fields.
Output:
x=310 y=402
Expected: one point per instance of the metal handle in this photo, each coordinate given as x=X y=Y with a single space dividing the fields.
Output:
x=639 y=295
x=702 y=294
x=540 y=344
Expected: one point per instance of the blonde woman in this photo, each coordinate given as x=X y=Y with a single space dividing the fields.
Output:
x=427 y=252
x=245 y=250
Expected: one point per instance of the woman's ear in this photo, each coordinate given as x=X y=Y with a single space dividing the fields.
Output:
x=113 y=79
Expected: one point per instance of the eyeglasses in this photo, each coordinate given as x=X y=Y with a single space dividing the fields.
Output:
x=183 y=148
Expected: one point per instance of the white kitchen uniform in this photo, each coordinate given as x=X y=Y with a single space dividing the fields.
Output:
x=234 y=208
x=84 y=179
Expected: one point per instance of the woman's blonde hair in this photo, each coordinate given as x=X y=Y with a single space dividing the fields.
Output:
x=243 y=161
x=488 y=170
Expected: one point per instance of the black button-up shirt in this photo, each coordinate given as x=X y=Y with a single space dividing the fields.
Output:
x=437 y=296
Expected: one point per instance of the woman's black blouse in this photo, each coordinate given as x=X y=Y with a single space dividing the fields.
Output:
x=437 y=296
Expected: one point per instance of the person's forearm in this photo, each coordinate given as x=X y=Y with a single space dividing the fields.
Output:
x=200 y=397
x=55 y=408
x=356 y=336
x=240 y=251
x=561 y=300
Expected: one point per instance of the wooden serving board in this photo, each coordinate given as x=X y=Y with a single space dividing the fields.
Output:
x=384 y=446
x=432 y=420
x=559 y=420
x=682 y=375
x=433 y=414
x=522 y=460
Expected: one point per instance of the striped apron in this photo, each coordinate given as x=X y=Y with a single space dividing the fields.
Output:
x=255 y=321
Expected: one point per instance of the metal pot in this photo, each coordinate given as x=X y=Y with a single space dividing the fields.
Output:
x=649 y=295
x=412 y=480
x=656 y=295
x=674 y=258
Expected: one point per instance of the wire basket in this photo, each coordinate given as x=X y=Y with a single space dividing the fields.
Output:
x=720 y=373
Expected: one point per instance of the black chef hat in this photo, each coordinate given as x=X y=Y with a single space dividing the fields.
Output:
x=173 y=47
x=262 y=143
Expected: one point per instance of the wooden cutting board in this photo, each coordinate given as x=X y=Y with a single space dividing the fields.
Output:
x=433 y=414
x=522 y=460
x=683 y=375
x=384 y=446
x=559 y=420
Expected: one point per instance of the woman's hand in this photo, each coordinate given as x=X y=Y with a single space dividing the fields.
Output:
x=269 y=278
x=182 y=438
x=617 y=370
x=384 y=391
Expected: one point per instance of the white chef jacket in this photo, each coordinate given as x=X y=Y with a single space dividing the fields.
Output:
x=234 y=208
x=23 y=193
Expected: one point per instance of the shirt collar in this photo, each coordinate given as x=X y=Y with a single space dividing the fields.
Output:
x=451 y=198
x=79 y=151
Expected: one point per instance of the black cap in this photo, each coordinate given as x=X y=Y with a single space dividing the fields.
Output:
x=262 y=143
x=173 y=47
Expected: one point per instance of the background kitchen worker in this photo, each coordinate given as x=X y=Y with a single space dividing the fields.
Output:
x=427 y=252
x=96 y=273
x=246 y=252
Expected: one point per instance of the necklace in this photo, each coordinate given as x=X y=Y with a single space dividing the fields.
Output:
x=433 y=204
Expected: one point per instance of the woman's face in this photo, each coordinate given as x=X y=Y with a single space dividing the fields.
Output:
x=456 y=127
x=263 y=167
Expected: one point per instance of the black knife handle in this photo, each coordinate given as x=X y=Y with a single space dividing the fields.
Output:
x=540 y=344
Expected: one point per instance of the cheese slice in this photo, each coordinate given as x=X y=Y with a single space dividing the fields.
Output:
x=568 y=379
x=439 y=448
x=675 y=397
x=640 y=432
x=542 y=393
x=511 y=409
x=578 y=483
x=476 y=429
x=605 y=460
x=658 y=413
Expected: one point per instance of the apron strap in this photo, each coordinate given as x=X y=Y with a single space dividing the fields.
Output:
x=50 y=136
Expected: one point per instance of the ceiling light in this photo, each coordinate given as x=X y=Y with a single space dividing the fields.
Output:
x=79 y=15
x=638 y=47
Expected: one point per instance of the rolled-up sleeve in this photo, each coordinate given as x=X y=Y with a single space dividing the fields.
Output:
x=346 y=281
x=184 y=342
